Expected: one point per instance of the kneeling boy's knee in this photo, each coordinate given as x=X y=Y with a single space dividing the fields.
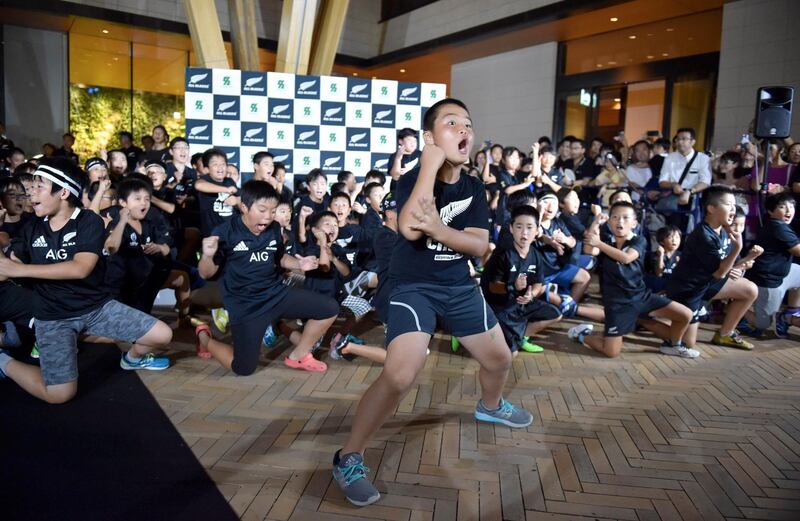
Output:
x=241 y=368
x=400 y=381
x=59 y=397
x=161 y=334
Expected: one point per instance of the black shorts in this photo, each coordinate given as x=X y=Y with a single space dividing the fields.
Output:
x=694 y=300
x=514 y=320
x=621 y=317
x=248 y=333
x=461 y=310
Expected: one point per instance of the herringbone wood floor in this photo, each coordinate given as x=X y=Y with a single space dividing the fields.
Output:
x=645 y=436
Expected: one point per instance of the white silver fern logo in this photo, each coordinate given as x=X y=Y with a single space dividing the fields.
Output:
x=197 y=130
x=277 y=109
x=253 y=132
x=382 y=114
x=454 y=209
x=332 y=112
x=358 y=88
x=408 y=92
x=355 y=138
x=282 y=158
x=253 y=81
x=307 y=85
x=381 y=163
x=331 y=161
x=197 y=77
x=231 y=154
x=225 y=106
x=69 y=236
x=306 y=135
x=411 y=164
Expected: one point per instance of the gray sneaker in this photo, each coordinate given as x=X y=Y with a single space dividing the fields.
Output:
x=678 y=350
x=506 y=414
x=351 y=476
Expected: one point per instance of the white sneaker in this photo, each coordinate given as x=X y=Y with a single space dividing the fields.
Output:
x=679 y=350
x=577 y=333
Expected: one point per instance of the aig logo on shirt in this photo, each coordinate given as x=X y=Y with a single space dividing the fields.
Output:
x=59 y=255
x=259 y=256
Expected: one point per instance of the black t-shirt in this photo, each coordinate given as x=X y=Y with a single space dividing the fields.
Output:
x=130 y=264
x=409 y=161
x=352 y=240
x=461 y=205
x=576 y=229
x=584 y=169
x=551 y=261
x=250 y=280
x=133 y=153
x=286 y=195
x=702 y=252
x=329 y=283
x=504 y=266
x=162 y=155
x=14 y=229
x=188 y=177
x=213 y=210
x=39 y=244
x=504 y=180
x=772 y=266
x=70 y=154
x=622 y=282
x=383 y=243
x=306 y=200
x=371 y=222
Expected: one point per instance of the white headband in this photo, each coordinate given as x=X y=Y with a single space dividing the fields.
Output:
x=60 y=178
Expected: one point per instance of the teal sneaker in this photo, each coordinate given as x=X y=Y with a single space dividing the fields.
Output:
x=35 y=351
x=781 y=325
x=506 y=414
x=148 y=361
x=351 y=477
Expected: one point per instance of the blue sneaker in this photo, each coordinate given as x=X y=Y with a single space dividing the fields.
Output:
x=355 y=340
x=351 y=476
x=781 y=325
x=506 y=414
x=270 y=337
x=148 y=361
x=745 y=328
x=3 y=352
x=10 y=337
x=568 y=306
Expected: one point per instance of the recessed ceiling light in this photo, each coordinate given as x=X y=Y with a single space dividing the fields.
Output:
x=649 y=34
x=670 y=29
x=355 y=74
x=105 y=31
x=402 y=71
x=664 y=54
x=617 y=100
x=599 y=65
x=632 y=37
x=374 y=77
x=612 y=63
x=614 y=19
x=650 y=56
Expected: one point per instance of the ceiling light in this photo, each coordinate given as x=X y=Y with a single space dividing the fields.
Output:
x=650 y=56
x=664 y=54
x=105 y=31
x=355 y=74
x=612 y=63
x=617 y=100
x=402 y=71
x=670 y=29
x=649 y=34
x=632 y=37
x=599 y=65
x=614 y=19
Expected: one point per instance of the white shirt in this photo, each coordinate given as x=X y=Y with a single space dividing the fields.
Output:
x=674 y=164
x=638 y=175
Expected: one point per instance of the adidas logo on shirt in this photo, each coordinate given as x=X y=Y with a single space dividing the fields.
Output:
x=40 y=242
x=513 y=268
x=241 y=247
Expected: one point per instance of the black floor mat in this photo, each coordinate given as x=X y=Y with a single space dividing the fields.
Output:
x=109 y=454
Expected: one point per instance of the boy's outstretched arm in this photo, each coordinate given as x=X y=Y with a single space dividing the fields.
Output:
x=78 y=268
x=431 y=161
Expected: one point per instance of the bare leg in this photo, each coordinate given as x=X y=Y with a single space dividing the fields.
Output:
x=179 y=281
x=592 y=312
x=580 y=284
x=611 y=346
x=373 y=353
x=690 y=337
x=793 y=298
x=679 y=317
x=492 y=352
x=159 y=336
x=742 y=294
x=29 y=377
x=313 y=330
x=405 y=357
x=222 y=352
x=535 y=327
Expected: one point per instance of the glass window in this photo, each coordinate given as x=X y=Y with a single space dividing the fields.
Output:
x=158 y=85
x=691 y=102
x=644 y=109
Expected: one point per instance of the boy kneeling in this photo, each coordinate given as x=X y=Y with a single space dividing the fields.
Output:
x=249 y=249
x=61 y=252
x=626 y=299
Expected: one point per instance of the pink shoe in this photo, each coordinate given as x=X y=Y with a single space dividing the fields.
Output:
x=308 y=363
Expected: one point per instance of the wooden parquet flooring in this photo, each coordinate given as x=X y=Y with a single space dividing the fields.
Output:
x=645 y=436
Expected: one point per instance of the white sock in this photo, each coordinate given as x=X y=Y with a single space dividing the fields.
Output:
x=132 y=358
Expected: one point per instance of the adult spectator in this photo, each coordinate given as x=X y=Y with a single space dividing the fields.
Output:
x=685 y=172
x=131 y=151
x=66 y=150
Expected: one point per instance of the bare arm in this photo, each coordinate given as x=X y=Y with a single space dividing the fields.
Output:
x=114 y=238
x=78 y=268
x=206 y=266
x=163 y=205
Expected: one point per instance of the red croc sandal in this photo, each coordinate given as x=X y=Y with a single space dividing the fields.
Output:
x=308 y=363
x=202 y=351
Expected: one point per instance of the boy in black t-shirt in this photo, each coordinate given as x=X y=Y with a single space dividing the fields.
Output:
x=665 y=258
x=248 y=250
x=774 y=272
x=406 y=158
x=512 y=283
x=709 y=253
x=371 y=220
x=443 y=218
x=215 y=192
x=61 y=252
x=626 y=299
x=315 y=201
